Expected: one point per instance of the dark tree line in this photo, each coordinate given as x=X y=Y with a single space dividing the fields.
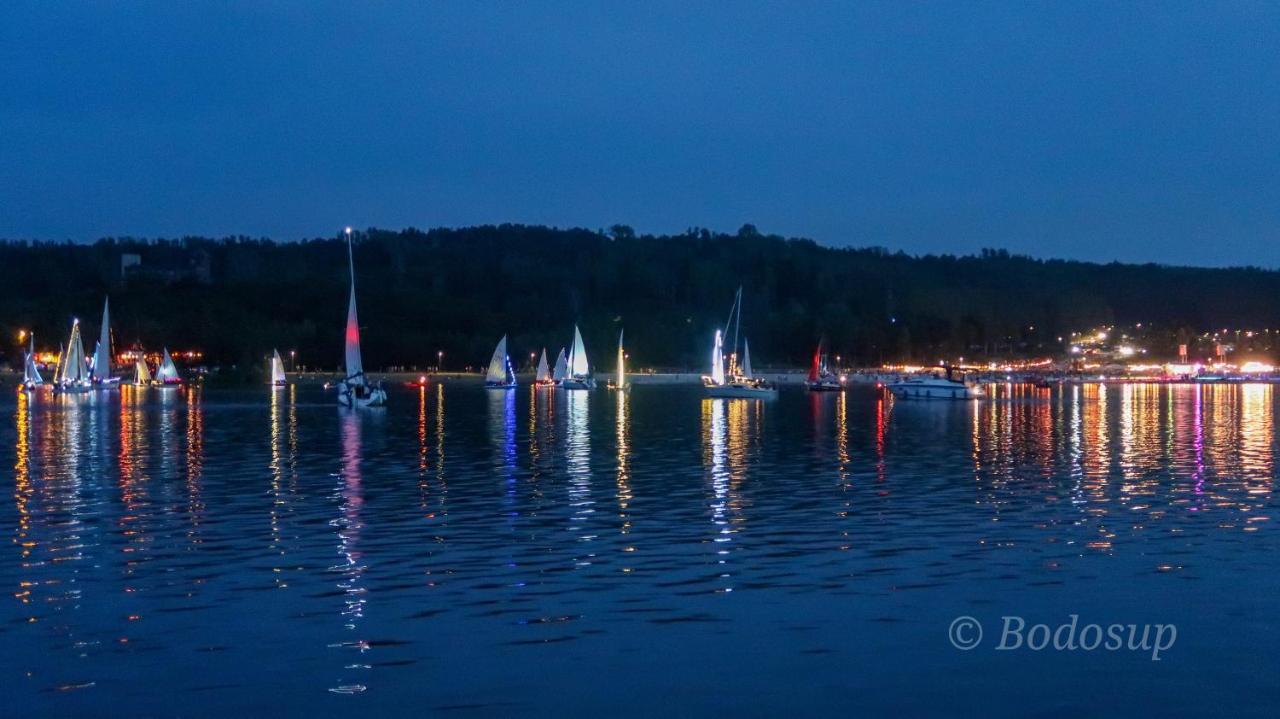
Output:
x=458 y=290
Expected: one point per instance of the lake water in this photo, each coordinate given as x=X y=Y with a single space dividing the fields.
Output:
x=474 y=553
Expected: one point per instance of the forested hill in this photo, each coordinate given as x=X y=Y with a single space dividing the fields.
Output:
x=459 y=290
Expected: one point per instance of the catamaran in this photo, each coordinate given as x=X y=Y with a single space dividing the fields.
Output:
x=277 y=370
x=31 y=378
x=167 y=374
x=500 y=375
x=355 y=390
x=100 y=369
x=543 y=377
x=579 y=370
x=73 y=373
x=141 y=372
x=562 y=368
x=821 y=378
x=734 y=380
x=619 y=381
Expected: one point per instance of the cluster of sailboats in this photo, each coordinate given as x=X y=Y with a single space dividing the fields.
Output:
x=77 y=373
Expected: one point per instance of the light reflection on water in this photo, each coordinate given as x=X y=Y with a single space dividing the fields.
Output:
x=236 y=546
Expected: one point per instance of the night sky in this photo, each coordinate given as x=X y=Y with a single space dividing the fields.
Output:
x=1131 y=131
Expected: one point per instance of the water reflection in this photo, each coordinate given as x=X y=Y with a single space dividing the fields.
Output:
x=351 y=568
x=577 y=455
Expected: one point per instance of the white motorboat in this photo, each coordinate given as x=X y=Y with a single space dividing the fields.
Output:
x=948 y=386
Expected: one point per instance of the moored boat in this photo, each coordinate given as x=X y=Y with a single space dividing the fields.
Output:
x=499 y=374
x=950 y=386
x=355 y=389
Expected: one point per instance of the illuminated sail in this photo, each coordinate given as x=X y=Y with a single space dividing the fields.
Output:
x=562 y=367
x=73 y=364
x=141 y=373
x=622 y=370
x=746 y=359
x=102 y=353
x=544 y=373
x=277 y=368
x=30 y=372
x=578 y=365
x=168 y=371
x=497 y=373
x=815 y=367
x=717 y=360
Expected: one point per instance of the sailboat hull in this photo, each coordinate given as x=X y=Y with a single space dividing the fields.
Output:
x=105 y=384
x=73 y=388
x=583 y=383
x=824 y=385
x=500 y=385
x=372 y=397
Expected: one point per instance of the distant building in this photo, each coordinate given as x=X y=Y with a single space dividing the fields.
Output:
x=128 y=260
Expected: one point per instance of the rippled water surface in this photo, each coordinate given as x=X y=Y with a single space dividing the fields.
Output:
x=470 y=553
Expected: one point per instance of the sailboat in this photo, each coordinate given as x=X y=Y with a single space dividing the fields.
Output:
x=277 y=370
x=579 y=370
x=730 y=378
x=31 y=378
x=167 y=373
x=100 y=371
x=543 y=376
x=619 y=381
x=821 y=378
x=562 y=368
x=141 y=372
x=500 y=375
x=73 y=374
x=355 y=390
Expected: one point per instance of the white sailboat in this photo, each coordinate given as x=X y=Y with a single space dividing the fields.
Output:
x=355 y=390
x=100 y=371
x=543 y=377
x=141 y=373
x=277 y=370
x=73 y=374
x=562 y=368
x=31 y=378
x=500 y=375
x=167 y=373
x=579 y=369
x=619 y=381
x=734 y=380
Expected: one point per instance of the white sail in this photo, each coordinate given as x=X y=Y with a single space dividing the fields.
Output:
x=622 y=369
x=30 y=372
x=73 y=363
x=57 y=370
x=717 y=360
x=141 y=373
x=168 y=371
x=544 y=373
x=562 y=367
x=746 y=359
x=578 y=365
x=277 y=368
x=354 y=365
x=497 y=373
x=102 y=353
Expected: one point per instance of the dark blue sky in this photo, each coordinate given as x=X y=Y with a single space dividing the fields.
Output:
x=1133 y=131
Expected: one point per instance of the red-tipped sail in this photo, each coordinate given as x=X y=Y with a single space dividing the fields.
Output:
x=816 y=368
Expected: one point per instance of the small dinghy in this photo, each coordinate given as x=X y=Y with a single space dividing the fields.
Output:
x=579 y=370
x=499 y=375
x=31 y=378
x=543 y=376
x=277 y=370
x=355 y=390
x=167 y=374
x=141 y=373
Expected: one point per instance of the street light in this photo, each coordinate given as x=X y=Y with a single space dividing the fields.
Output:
x=22 y=335
x=440 y=361
x=293 y=360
